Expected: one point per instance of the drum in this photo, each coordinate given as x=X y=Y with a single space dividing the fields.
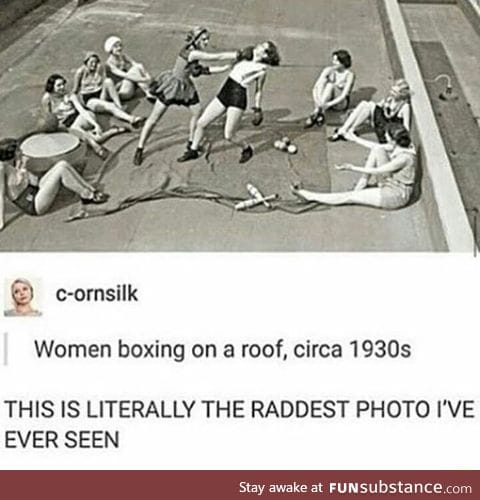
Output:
x=44 y=150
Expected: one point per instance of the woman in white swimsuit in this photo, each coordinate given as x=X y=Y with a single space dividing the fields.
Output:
x=232 y=98
x=333 y=88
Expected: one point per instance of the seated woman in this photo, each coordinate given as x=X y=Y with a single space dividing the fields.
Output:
x=34 y=196
x=71 y=115
x=22 y=297
x=176 y=86
x=232 y=98
x=395 y=108
x=333 y=88
x=393 y=166
x=98 y=93
x=126 y=73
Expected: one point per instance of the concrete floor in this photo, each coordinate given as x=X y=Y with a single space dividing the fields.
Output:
x=54 y=39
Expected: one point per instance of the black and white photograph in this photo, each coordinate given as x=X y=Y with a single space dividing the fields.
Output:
x=259 y=125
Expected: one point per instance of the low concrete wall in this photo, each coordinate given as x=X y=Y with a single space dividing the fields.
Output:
x=450 y=226
x=471 y=9
x=12 y=10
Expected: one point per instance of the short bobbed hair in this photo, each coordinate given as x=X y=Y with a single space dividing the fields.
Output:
x=50 y=83
x=344 y=58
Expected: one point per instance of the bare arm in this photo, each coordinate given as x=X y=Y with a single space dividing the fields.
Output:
x=139 y=76
x=46 y=104
x=200 y=55
x=347 y=89
x=350 y=136
x=405 y=115
x=260 y=83
x=77 y=81
x=392 y=166
x=219 y=69
x=259 y=76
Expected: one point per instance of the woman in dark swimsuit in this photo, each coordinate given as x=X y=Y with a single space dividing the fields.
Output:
x=34 y=195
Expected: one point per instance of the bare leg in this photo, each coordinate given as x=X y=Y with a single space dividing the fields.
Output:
x=377 y=157
x=61 y=174
x=369 y=197
x=362 y=113
x=195 y=110
x=109 y=92
x=88 y=138
x=127 y=88
x=157 y=112
x=213 y=111
x=234 y=115
x=101 y=106
x=323 y=93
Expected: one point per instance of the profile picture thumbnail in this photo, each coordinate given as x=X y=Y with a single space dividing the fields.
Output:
x=21 y=298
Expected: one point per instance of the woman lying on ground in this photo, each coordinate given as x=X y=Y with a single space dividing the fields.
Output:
x=395 y=108
x=34 y=195
x=333 y=88
x=176 y=86
x=392 y=166
x=98 y=93
x=126 y=73
x=232 y=98
x=72 y=116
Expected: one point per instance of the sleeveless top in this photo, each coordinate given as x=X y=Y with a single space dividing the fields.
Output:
x=406 y=175
x=183 y=68
x=62 y=107
x=338 y=78
x=243 y=71
x=91 y=82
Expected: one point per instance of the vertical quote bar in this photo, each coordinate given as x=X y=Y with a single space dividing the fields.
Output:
x=5 y=349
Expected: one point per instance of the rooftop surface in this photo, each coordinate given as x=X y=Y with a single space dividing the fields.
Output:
x=55 y=37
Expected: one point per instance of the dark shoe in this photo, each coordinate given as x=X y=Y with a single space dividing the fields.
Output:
x=320 y=120
x=246 y=155
x=138 y=122
x=336 y=136
x=138 y=157
x=309 y=123
x=97 y=198
x=317 y=118
x=190 y=154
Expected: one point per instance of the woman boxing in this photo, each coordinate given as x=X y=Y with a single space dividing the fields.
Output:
x=176 y=86
x=232 y=98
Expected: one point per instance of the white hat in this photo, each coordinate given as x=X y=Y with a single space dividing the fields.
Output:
x=110 y=42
